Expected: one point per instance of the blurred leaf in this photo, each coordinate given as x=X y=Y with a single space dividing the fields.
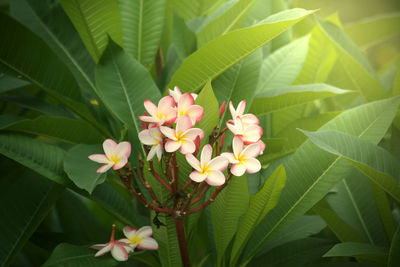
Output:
x=373 y=30
x=354 y=249
x=183 y=38
x=63 y=129
x=260 y=204
x=231 y=19
x=282 y=67
x=78 y=256
x=396 y=84
x=311 y=173
x=51 y=23
x=226 y=213
x=188 y=9
x=215 y=57
x=278 y=99
x=8 y=83
x=394 y=255
x=81 y=170
x=95 y=20
x=142 y=24
x=375 y=162
x=23 y=207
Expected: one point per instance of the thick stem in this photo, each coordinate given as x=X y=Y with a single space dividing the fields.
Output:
x=180 y=231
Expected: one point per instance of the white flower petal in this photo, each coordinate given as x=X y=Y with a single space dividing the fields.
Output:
x=183 y=123
x=165 y=104
x=237 y=145
x=123 y=149
x=148 y=243
x=198 y=176
x=240 y=108
x=151 y=108
x=172 y=146
x=250 y=119
x=144 y=231
x=252 y=165
x=129 y=232
x=185 y=101
x=230 y=156
x=100 y=158
x=168 y=132
x=146 y=138
x=159 y=151
x=121 y=163
x=187 y=147
x=219 y=163
x=238 y=169
x=152 y=152
x=215 y=178
x=206 y=154
x=251 y=151
x=119 y=253
x=193 y=161
x=109 y=147
x=195 y=113
x=104 y=168
x=104 y=250
x=193 y=133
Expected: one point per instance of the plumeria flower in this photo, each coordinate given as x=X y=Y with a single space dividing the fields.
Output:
x=176 y=94
x=246 y=119
x=163 y=114
x=243 y=159
x=183 y=137
x=248 y=133
x=119 y=249
x=262 y=146
x=207 y=169
x=140 y=238
x=186 y=106
x=152 y=137
x=116 y=155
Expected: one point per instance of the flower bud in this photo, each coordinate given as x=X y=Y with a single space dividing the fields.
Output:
x=197 y=143
x=222 y=110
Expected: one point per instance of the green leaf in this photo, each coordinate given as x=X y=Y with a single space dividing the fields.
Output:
x=215 y=57
x=42 y=68
x=23 y=207
x=131 y=84
x=373 y=30
x=142 y=24
x=63 y=129
x=311 y=173
x=95 y=20
x=183 y=38
x=360 y=75
x=229 y=20
x=226 y=212
x=283 y=98
x=354 y=249
x=8 y=83
x=260 y=204
x=79 y=256
x=188 y=9
x=375 y=162
x=282 y=67
x=81 y=170
x=394 y=256
x=54 y=27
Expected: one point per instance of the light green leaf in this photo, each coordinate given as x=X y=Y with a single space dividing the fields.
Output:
x=282 y=67
x=354 y=249
x=77 y=256
x=215 y=57
x=81 y=170
x=373 y=30
x=394 y=256
x=226 y=212
x=183 y=38
x=63 y=129
x=260 y=204
x=231 y=19
x=311 y=173
x=283 y=98
x=23 y=207
x=95 y=20
x=396 y=84
x=188 y=9
x=375 y=162
x=142 y=24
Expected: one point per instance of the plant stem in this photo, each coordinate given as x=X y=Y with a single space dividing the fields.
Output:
x=180 y=232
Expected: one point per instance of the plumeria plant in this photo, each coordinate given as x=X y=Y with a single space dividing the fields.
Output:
x=170 y=129
x=171 y=133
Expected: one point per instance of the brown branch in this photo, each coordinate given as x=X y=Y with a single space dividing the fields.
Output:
x=189 y=182
x=199 y=197
x=147 y=185
x=155 y=175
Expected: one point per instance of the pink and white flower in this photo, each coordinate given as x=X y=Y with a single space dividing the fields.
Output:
x=116 y=155
x=119 y=249
x=152 y=137
x=207 y=169
x=246 y=119
x=243 y=158
x=248 y=133
x=186 y=106
x=140 y=238
x=176 y=94
x=182 y=137
x=163 y=114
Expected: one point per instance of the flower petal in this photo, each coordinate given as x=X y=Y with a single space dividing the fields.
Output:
x=104 y=250
x=146 y=138
x=237 y=145
x=240 y=108
x=176 y=93
x=219 y=163
x=238 y=169
x=119 y=253
x=206 y=154
x=99 y=246
x=152 y=152
x=156 y=133
x=230 y=157
x=193 y=161
x=252 y=165
x=252 y=133
x=193 y=133
x=165 y=104
x=170 y=116
x=123 y=149
x=172 y=146
x=187 y=147
x=198 y=176
x=109 y=147
x=232 y=110
x=100 y=158
x=168 y=132
x=183 y=123
x=233 y=128
x=159 y=151
x=129 y=231
x=250 y=119
x=251 y=151
x=149 y=119
x=185 y=101
x=121 y=163
x=150 y=107
x=148 y=243
x=104 y=168
x=195 y=112
x=215 y=178
x=144 y=231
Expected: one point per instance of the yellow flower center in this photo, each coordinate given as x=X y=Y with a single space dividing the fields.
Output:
x=135 y=240
x=114 y=159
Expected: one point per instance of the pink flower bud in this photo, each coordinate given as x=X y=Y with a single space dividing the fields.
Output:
x=222 y=110
x=197 y=144
x=222 y=142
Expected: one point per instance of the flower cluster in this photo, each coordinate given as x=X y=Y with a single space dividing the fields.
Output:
x=120 y=249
